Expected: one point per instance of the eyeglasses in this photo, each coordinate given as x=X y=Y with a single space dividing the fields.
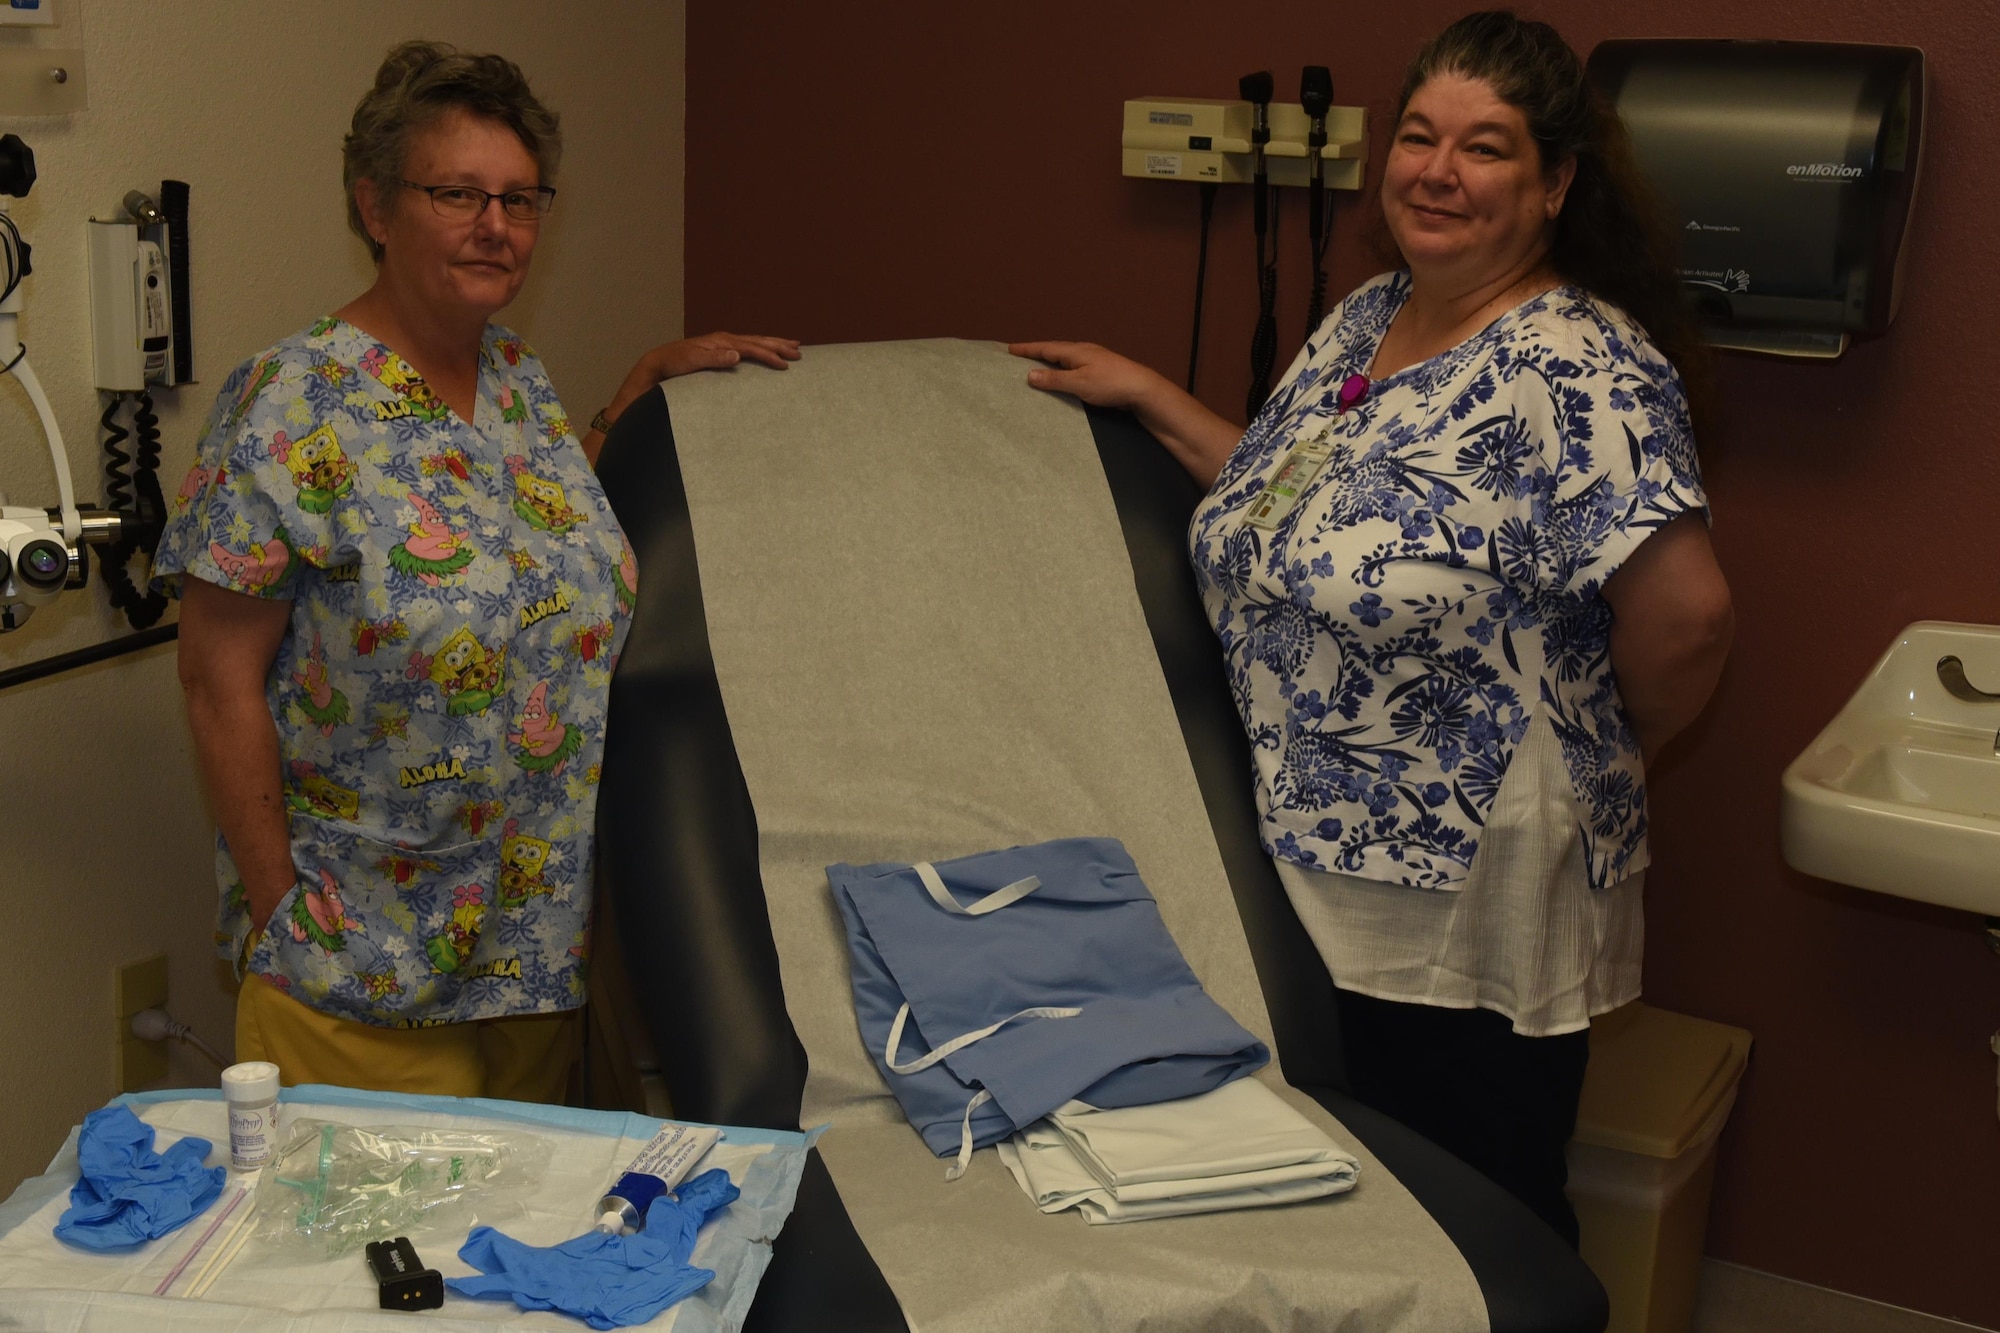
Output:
x=462 y=203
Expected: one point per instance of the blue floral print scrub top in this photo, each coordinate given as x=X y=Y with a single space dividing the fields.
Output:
x=459 y=594
x=1438 y=581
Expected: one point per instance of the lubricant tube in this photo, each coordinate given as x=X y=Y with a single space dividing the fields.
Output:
x=663 y=1164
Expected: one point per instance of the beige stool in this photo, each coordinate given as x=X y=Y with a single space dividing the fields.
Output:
x=1656 y=1096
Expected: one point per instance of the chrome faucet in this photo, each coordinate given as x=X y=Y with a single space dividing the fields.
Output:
x=1951 y=675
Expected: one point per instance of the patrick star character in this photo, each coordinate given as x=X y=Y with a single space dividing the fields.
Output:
x=265 y=565
x=432 y=552
x=628 y=577
x=317 y=916
x=264 y=372
x=545 y=743
x=194 y=484
x=324 y=706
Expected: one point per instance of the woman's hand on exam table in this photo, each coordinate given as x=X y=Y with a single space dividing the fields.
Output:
x=711 y=351
x=1198 y=438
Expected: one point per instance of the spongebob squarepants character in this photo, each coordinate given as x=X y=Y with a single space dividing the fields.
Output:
x=313 y=793
x=543 y=504
x=522 y=860
x=399 y=377
x=320 y=469
x=469 y=673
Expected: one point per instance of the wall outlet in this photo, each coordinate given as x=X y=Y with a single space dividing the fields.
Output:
x=139 y=986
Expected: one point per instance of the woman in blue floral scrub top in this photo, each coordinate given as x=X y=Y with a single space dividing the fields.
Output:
x=404 y=594
x=1460 y=572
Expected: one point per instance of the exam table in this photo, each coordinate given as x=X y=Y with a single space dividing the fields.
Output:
x=678 y=852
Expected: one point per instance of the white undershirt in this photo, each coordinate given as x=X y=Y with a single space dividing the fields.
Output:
x=1525 y=936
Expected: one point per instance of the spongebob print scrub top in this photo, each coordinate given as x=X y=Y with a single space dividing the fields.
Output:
x=459 y=594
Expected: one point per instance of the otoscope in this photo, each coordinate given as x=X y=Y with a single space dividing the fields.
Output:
x=1316 y=97
x=1256 y=89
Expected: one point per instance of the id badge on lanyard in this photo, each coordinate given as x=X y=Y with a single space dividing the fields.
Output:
x=1281 y=493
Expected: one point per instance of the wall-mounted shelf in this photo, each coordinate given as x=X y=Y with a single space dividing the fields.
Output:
x=41 y=80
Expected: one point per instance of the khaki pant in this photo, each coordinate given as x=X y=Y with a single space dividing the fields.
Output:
x=523 y=1059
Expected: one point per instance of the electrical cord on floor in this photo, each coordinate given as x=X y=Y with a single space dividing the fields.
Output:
x=1208 y=189
x=159 y=1025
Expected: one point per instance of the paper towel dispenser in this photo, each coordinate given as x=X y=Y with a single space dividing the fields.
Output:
x=1788 y=170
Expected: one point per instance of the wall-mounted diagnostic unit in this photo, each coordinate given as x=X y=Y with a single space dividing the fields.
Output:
x=1197 y=139
x=1254 y=141
x=1788 y=170
x=131 y=302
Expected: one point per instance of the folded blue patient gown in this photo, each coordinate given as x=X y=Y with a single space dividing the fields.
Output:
x=994 y=988
x=606 y=1281
x=127 y=1194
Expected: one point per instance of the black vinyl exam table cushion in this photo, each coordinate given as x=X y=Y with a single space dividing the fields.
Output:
x=677 y=849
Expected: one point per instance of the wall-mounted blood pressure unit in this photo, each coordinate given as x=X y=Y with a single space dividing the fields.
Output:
x=139 y=321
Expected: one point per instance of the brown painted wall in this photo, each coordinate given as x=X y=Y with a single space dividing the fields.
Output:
x=900 y=170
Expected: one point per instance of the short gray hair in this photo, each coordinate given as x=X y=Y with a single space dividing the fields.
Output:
x=420 y=81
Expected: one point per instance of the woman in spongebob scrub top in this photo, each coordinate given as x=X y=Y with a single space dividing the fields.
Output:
x=403 y=595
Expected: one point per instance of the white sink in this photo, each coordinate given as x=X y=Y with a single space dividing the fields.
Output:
x=1901 y=792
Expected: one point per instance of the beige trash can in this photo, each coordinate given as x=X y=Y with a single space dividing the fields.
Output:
x=1655 y=1098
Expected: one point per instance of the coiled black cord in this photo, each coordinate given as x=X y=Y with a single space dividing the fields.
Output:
x=144 y=514
x=13 y=256
x=147 y=424
x=117 y=485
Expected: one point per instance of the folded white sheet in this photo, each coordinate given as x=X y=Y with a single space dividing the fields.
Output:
x=1236 y=1147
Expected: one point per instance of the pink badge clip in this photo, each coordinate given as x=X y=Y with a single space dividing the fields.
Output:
x=1352 y=390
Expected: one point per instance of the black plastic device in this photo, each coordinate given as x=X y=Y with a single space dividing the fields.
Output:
x=1316 y=99
x=17 y=166
x=404 y=1281
x=1787 y=170
x=174 y=205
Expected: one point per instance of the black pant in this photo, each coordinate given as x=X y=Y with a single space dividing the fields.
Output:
x=1503 y=1103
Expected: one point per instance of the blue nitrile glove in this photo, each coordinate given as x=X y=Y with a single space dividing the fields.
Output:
x=128 y=1194
x=606 y=1281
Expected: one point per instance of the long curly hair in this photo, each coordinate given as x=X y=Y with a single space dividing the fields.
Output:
x=1610 y=238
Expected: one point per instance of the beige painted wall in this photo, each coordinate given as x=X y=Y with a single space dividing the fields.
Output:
x=103 y=841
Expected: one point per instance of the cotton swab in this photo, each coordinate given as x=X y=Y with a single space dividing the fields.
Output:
x=195 y=1249
x=223 y=1252
x=228 y=1257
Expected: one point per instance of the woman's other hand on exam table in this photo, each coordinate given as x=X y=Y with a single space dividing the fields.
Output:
x=715 y=351
x=1097 y=375
x=1200 y=439
x=711 y=351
